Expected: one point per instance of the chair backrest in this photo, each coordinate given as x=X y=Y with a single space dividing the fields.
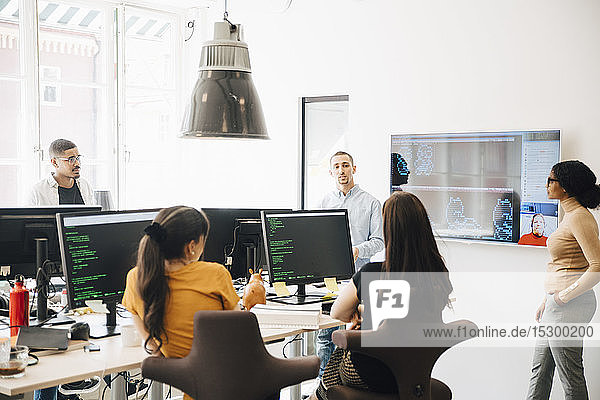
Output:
x=411 y=366
x=228 y=360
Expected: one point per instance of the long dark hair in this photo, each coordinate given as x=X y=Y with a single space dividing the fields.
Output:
x=579 y=181
x=165 y=239
x=409 y=242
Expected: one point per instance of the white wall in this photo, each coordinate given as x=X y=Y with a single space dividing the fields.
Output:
x=422 y=66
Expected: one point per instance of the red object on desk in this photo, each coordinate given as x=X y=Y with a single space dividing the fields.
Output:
x=254 y=292
x=19 y=306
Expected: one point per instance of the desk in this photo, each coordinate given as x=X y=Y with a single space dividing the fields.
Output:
x=75 y=365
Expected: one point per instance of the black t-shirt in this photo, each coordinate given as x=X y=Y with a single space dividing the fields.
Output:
x=70 y=195
x=374 y=373
x=356 y=279
x=370 y=267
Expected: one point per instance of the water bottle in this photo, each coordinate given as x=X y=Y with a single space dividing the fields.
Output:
x=18 y=306
x=64 y=300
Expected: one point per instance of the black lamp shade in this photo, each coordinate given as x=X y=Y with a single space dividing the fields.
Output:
x=224 y=104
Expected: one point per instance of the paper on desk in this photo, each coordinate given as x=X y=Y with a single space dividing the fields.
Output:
x=288 y=307
x=331 y=284
x=281 y=289
x=97 y=306
x=276 y=316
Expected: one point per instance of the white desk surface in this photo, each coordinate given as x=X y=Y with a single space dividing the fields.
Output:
x=113 y=357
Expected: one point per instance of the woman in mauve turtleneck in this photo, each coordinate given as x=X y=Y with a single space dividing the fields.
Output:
x=573 y=271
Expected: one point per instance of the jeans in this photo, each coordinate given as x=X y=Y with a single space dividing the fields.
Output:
x=325 y=346
x=46 y=394
x=565 y=356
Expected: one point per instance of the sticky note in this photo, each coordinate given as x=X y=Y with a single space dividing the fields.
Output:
x=331 y=284
x=281 y=289
x=97 y=306
x=329 y=296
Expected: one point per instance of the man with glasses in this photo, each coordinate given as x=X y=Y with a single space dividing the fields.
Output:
x=64 y=185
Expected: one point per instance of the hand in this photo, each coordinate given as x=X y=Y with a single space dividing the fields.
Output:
x=355 y=253
x=355 y=321
x=540 y=311
x=558 y=300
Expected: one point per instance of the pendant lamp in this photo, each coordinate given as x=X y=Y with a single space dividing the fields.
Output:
x=224 y=102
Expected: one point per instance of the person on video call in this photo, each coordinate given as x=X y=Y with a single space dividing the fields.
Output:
x=64 y=185
x=536 y=236
x=366 y=228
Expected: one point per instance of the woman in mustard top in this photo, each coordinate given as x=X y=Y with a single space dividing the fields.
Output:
x=169 y=284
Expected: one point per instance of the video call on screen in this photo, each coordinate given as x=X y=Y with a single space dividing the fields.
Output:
x=487 y=186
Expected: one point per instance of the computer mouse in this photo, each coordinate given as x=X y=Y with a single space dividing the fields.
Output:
x=80 y=331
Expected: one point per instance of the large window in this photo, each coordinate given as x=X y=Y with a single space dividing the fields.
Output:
x=65 y=66
x=76 y=82
x=15 y=143
x=151 y=107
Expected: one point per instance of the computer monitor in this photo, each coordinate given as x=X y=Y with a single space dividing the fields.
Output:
x=307 y=246
x=20 y=227
x=481 y=185
x=234 y=234
x=98 y=250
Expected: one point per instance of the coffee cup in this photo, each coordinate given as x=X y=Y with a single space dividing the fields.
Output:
x=15 y=366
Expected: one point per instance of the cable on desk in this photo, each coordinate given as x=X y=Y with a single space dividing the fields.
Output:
x=52 y=316
x=147 y=390
x=11 y=283
x=123 y=309
x=109 y=383
x=169 y=394
x=235 y=239
x=294 y=339
x=42 y=280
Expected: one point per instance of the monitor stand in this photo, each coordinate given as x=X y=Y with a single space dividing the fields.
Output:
x=41 y=282
x=299 y=298
x=110 y=328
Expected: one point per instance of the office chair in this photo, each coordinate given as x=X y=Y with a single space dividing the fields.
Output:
x=228 y=361
x=411 y=366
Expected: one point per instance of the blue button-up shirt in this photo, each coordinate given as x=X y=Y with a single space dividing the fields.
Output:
x=366 y=221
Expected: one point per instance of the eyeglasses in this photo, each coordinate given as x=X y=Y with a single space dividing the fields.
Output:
x=550 y=180
x=71 y=160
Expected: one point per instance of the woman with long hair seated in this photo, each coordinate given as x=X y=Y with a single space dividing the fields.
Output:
x=169 y=284
x=409 y=247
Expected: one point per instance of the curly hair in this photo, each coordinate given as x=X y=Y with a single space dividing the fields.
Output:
x=579 y=181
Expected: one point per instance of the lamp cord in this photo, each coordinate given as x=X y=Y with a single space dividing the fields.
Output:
x=232 y=27
x=191 y=24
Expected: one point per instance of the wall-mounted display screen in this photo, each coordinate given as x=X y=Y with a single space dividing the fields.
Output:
x=483 y=185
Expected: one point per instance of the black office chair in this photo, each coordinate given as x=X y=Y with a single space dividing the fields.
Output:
x=228 y=361
x=411 y=366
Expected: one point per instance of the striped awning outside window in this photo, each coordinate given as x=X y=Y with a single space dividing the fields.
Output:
x=81 y=18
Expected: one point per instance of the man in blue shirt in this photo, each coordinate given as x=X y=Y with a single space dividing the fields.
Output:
x=364 y=210
x=366 y=228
